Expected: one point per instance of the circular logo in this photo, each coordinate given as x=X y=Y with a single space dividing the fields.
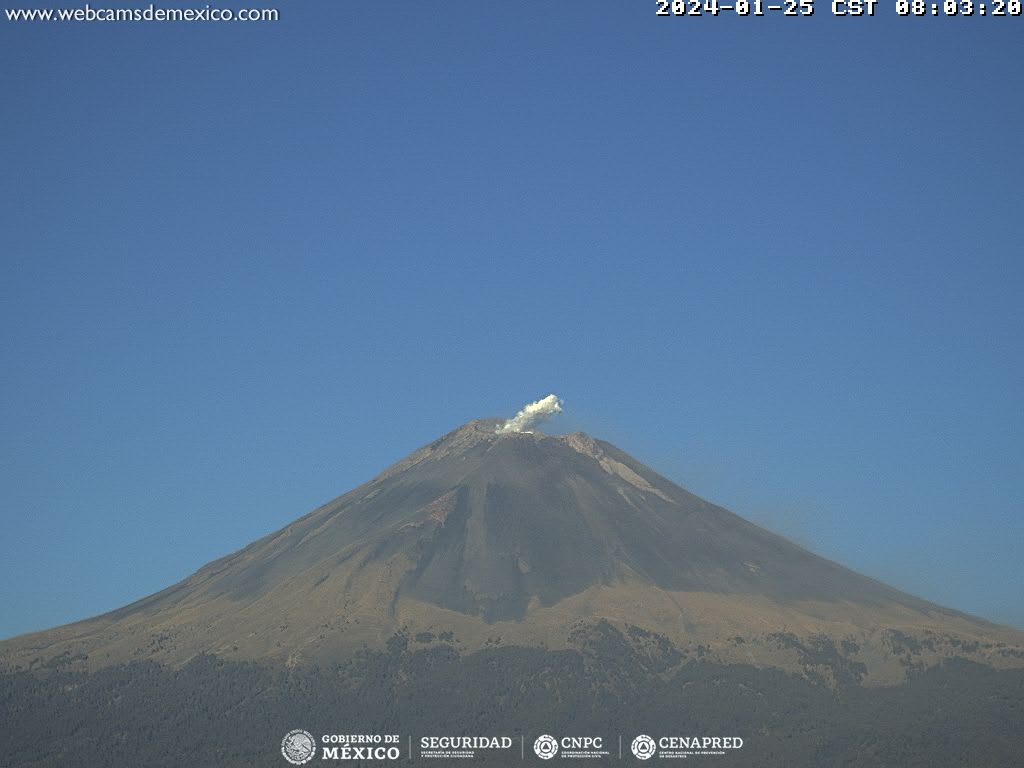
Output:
x=298 y=747
x=644 y=747
x=546 y=747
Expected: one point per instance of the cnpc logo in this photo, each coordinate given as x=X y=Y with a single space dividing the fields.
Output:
x=545 y=747
x=548 y=746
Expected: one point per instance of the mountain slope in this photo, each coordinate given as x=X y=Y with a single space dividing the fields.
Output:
x=521 y=538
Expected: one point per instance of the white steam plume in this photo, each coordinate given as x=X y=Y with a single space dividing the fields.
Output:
x=532 y=413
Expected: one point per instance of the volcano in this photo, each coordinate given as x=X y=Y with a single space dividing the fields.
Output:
x=487 y=538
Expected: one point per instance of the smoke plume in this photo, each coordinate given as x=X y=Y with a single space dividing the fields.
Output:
x=531 y=414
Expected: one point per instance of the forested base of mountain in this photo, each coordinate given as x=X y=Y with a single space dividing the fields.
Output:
x=213 y=712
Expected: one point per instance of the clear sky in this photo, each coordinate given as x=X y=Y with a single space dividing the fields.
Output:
x=245 y=267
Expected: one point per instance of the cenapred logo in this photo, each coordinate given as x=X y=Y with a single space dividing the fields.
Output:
x=298 y=747
x=546 y=747
x=643 y=747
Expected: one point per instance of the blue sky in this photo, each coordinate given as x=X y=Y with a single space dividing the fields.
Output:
x=245 y=267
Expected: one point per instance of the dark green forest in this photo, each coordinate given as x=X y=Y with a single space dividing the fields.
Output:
x=213 y=712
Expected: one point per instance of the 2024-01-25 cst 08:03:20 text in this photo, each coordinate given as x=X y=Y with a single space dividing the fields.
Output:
x=992 y=8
